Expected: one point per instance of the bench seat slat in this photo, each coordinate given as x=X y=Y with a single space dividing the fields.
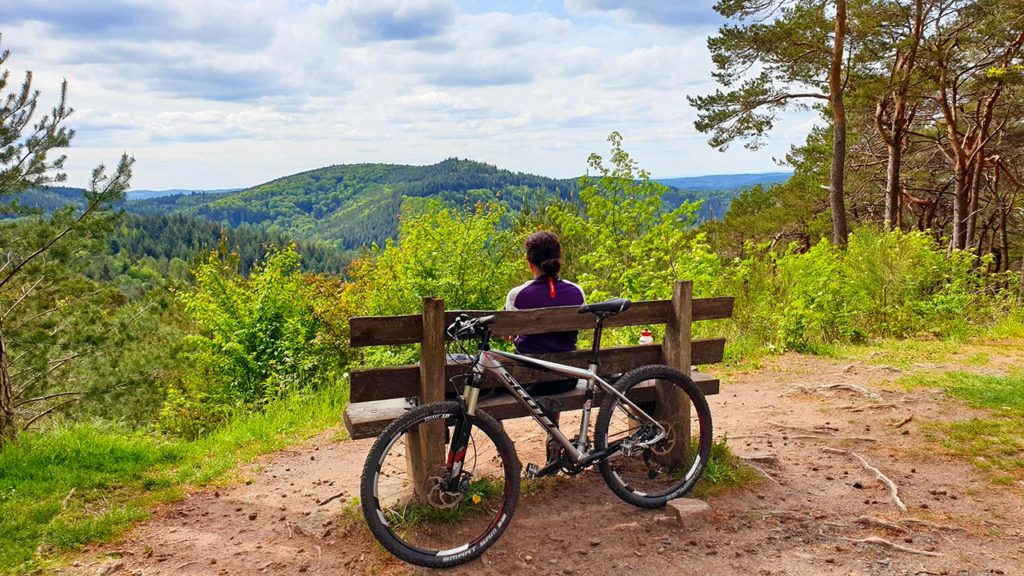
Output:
x=403 y=381
x=368 y=419
x=408 y=329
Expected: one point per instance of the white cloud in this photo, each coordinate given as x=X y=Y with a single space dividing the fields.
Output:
x=222 y=93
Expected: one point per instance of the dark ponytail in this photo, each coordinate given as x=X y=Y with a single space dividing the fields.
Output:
x=551 y=267
x=544 y=251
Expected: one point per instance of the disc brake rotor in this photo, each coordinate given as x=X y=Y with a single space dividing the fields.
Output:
x=666 y=444
x=437 y=496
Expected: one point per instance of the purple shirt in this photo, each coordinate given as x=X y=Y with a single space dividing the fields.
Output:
x=537 y=294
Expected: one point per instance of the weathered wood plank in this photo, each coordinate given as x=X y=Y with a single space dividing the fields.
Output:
x=403 y=381
x=425 y=445
x=673 y=406
x=408 y=329
x=368 y=419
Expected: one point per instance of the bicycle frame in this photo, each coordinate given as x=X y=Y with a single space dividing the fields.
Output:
x=491 y=361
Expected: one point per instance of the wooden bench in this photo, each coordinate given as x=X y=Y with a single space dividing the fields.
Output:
x=380 y=395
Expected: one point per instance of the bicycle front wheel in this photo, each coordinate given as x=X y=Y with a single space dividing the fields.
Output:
x=644 y=474
x=451 y=514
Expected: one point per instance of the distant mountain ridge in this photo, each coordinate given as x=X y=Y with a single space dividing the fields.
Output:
x=147 y=194
x=726 y=181
x=353 y=205
x=716 y=191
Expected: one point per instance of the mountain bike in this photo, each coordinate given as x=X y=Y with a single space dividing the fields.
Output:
x=470 y=495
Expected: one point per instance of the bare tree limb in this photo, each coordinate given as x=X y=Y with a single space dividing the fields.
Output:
x=46 y=397
x=24 y=294
x=46 y=412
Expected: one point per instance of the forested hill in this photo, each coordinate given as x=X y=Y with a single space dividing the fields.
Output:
x=356 y=204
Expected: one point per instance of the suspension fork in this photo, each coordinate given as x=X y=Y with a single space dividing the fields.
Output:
x=463 y=427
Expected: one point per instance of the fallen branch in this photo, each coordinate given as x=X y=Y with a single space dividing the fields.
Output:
x=905 y=421
x=330 y=499
x=883 y=542
x=893 y=489
x=879 y=523
x=64 y=503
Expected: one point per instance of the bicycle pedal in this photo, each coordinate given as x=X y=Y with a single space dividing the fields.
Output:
x=531 y=471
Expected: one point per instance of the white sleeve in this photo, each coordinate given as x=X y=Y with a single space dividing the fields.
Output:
x=510 y=300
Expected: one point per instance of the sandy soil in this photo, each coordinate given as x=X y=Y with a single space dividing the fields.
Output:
x=804 y=517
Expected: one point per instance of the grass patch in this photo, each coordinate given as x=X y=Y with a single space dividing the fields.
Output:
x=88 y=483
x=483 y=497
x=994 y=443
x=724 y=471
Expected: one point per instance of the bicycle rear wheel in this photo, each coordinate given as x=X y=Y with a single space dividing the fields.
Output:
x=450 y=518
x=651 y=476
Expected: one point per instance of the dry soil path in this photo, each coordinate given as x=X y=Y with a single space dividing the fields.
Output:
x=816 y=511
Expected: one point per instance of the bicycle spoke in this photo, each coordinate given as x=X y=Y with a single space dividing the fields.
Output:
x=436 y=520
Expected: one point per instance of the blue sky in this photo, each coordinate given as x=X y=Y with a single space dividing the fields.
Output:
x=219 y=93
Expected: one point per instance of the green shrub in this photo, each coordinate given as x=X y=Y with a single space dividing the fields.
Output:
x=259 y=338
x=885 y=284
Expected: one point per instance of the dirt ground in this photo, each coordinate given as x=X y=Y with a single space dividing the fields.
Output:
x=815 y=511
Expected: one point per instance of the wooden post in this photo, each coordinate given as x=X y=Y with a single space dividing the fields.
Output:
x=425 y=447
x=672 y=405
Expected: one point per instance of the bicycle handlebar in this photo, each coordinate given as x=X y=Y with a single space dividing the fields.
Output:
x=466 y=327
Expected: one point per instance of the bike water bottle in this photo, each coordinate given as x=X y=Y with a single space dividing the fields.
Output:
x=645 y=337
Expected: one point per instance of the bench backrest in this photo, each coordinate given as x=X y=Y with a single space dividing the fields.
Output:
x=427 y=380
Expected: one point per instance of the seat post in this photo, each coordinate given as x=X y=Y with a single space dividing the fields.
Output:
x=597 y=339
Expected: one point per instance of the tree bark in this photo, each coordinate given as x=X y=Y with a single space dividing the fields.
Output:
x=7 y=427
x=893 y=212
x=960 y=190
x=902 y=71
x=840 y=228
x=972 y=203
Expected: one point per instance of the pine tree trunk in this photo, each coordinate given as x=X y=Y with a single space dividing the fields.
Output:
x=840 y=229
x=1003 y=239
x=7 y=428
x=893 y=210
x=960 y=191
x=972 y=202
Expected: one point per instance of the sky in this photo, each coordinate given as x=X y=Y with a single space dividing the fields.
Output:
x=226 y=93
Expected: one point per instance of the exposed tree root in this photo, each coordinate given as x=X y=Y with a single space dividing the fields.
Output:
x=879 y=523
x=927 y=524
x=851 y=438
x=905 y=421
x=851 y=388
x=864 y=407
x=827 y=430
x=763 y=473
x=785 y=514
x=883 y=542
x=893 y=489
x=798 y=388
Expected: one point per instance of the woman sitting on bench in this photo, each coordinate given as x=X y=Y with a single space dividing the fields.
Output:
x=544 y=257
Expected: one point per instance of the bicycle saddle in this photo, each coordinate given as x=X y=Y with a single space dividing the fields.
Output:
x=606 y=308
